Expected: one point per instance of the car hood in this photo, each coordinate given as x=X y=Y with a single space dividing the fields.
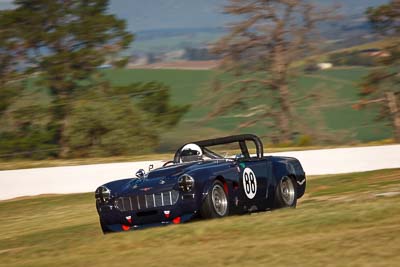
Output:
x=181 y=168
x=173 y=170
x=158 y=180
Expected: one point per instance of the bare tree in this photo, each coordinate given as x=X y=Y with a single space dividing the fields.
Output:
x=382 y=86
x=259 y=51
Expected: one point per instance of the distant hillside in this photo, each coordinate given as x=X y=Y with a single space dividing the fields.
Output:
x=162 y=26
x=349 y=31
x=165 y=40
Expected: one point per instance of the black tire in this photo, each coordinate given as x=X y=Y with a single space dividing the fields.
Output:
x=286 y=193
x=216 y=204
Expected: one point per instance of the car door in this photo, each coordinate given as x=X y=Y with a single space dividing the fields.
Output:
x=253 y=182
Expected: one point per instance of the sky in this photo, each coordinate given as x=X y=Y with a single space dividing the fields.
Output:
x=5 y=4
x=166 y=14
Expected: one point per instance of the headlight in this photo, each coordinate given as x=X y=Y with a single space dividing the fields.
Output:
x=186 y=183
x=102 y=194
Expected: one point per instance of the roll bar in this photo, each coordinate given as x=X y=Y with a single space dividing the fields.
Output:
x=241 y=139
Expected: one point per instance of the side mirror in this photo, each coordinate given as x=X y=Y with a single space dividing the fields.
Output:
x=140 y=173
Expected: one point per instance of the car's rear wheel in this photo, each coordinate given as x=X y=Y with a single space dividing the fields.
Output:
x=215 y=204
x=285 y=195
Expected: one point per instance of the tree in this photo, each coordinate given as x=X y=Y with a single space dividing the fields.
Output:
x=56 y=47
x=25 y=129
x=259 y=51
x=64 y=42
x=120 y=120
x=382 y=86
x=108 y=128
x=10 y=52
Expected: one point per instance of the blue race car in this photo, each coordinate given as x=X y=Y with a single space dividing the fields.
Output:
x=201 y=183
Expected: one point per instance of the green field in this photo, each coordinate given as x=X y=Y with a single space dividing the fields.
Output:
x=338 y=87
x=334 y=114
x=343 y=220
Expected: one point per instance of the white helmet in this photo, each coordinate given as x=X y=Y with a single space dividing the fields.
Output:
x=191 y=152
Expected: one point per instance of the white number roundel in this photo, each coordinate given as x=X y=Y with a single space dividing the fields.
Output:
x=249 y=183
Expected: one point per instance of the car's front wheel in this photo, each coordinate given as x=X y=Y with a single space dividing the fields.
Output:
x=215 y=204
x=285 y=195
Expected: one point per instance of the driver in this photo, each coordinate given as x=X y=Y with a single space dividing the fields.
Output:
x=191 y=152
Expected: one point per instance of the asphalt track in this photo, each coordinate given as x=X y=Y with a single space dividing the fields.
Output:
x=86 y=178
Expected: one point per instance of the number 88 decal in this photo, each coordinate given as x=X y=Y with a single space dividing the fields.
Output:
x=249 y=183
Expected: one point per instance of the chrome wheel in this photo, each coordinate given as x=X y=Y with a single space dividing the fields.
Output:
x=219 y=200
x=287 y=191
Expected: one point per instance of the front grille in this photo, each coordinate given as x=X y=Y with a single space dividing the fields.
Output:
x=140 y=202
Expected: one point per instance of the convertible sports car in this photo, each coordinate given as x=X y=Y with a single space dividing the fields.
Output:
x=199 y=182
